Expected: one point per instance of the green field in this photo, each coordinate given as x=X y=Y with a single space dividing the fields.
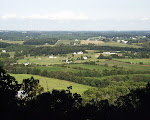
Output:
x=45 y=60
x=130 y=76
x=135 y=61
x=53 y=83
x=63 y=42
x=56 y=68
x=12 y=42
x=115 y=44
x=137 y=67
x=91 y=67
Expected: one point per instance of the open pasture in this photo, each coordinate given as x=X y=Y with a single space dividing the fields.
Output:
x=12 y=42
x=90 y=41
x=57 y=68
x=42 y=60
x=66 y=42
x=91 y=67
x=135 y=61
x=115 y=44
x=50 y=83
x=130 y=76
x=136 y=67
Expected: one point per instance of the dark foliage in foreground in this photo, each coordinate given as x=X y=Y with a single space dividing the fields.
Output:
x=59 y=105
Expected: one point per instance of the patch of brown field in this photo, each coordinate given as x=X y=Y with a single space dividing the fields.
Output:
x=90 y=41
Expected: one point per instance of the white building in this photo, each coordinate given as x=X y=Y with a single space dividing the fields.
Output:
x=26 y=63
x=118 y=41
x=4 y=51
x=109 y=53
x=80 y=52
x=85 y=58
x=74 y=53
x=51 y=57
x=123 y=41
x=46 y=44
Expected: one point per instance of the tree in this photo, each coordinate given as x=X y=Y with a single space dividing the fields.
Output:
x=31 y=87
x=9 y=88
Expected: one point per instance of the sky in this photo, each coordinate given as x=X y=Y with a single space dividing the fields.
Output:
x=88 y=15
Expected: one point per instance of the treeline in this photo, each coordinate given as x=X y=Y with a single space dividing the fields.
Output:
x=4 y=45
x=4 y=55
x=126 y=55
x=18 y=35
x=46 y=41
x=85 y=77
x=68 y=35
x=53 y=50
x=37 y=51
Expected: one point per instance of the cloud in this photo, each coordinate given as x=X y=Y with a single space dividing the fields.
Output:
x=36 y=16
x=9 y=16
x=63 y=15
x=144 y=19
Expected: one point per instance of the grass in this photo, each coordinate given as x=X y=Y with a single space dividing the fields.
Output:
x=11 y=54
x=12 y=42
x=125 y=65
x=135 y=61
x=115 y=44
x=91 y=67
x=52 y=83
x=45 y=60
x=63 y=42
x=130 y=76
x=90 y=41
x=56 y=68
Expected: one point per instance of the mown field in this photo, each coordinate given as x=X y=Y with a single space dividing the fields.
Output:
x=42 y=60
x=91 y=67
x=90 y=41
x=56 y=68
x=135 y=61
x=52 y=83
x=12 y=42
x=115 y=44
x=63 y=42
x=113 y=76
x=137 y=67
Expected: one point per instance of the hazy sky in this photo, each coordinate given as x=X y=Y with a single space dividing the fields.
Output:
x=74 y=15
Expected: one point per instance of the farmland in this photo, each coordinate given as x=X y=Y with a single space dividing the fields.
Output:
x=135 y=61
x=91 y=67
x=42 y=60
x=51 y=83
x=125 y=65
x=92 y=42
x=56 y=68
x=12 y=42
x=115 y=44
x=81 y=60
